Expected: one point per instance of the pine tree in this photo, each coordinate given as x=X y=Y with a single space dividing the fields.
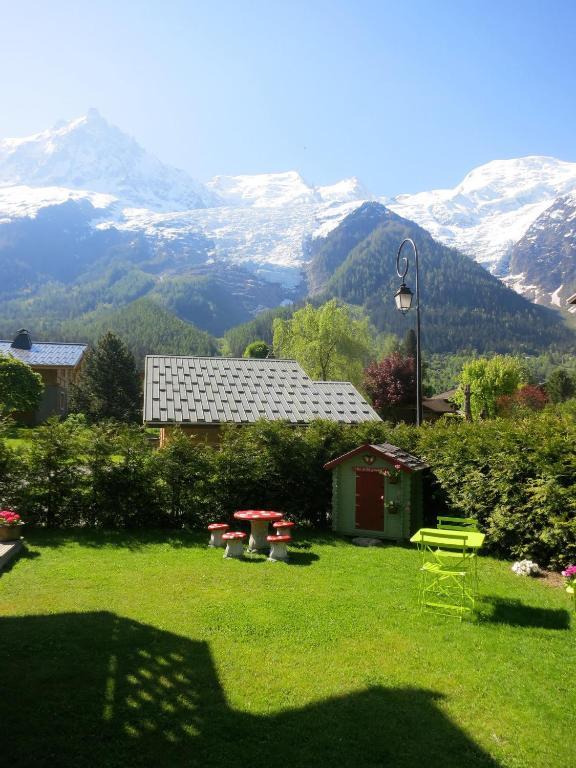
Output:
x=409 y=344
x=560 y=386
x=109 y=386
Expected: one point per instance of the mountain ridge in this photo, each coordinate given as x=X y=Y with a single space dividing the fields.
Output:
x=462 y=305
x=255 y=241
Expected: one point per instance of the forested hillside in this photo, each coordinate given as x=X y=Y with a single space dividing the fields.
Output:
x=237 y=339
x=145 y=327
x=462 y=305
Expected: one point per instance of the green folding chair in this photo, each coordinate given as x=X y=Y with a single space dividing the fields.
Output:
x=447 y=582
x=445 y=523
x=572 y=593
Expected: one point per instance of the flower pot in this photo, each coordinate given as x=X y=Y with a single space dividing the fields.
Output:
x=10 y=532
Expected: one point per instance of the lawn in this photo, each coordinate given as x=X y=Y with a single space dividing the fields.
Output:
x=149 y=649
x=19 y=437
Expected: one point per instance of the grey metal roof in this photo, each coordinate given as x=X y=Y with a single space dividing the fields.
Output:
x=46 y=353
x=392 y=451
x=217 y=390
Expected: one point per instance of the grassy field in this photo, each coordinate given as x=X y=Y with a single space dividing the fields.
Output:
x=19 y=437
x=151 y=650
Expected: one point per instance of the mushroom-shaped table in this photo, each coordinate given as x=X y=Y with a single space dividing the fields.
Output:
x=259 y=519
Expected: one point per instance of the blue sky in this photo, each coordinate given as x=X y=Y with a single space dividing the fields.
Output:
x=406 y=95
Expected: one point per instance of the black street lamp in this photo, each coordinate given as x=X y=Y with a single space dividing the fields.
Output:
x=403 y=298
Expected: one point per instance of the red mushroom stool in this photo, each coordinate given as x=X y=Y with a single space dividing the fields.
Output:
x=234 y=543
x=282 y=527
x=278 y=549
x=216 y=531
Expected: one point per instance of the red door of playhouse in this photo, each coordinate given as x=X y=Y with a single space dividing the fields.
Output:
x=369 y=500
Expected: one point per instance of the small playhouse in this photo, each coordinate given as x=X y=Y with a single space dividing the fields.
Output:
x=377 y=491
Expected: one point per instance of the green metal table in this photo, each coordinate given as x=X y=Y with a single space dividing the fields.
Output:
x=474 y=539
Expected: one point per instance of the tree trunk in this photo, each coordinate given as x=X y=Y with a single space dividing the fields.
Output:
x=467 y=408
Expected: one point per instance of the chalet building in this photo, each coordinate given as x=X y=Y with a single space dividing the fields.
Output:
x=439 y=405
x=201 y=394
x=59 y=366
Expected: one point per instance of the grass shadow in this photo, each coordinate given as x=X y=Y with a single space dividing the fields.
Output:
x=23 y=554
x=95 y=690
x=139 y=539
x=125 y=539
x=302 y=558
x=515 y=613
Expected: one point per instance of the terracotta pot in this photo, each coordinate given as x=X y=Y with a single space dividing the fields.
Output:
x=10 y=532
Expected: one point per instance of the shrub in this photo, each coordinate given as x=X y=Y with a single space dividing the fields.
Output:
x=123 y=478
x=515 y=477
x=185 y=470
x=55 y=483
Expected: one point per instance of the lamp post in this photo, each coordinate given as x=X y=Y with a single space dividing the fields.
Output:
x=403 y=298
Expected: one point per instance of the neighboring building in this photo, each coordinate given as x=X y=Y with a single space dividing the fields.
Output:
x=57 y=363
x=377 y=491
x=202 y=393
x=438 y=405
x=433 y=408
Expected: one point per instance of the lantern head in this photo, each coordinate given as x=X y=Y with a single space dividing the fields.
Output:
x=403 y=298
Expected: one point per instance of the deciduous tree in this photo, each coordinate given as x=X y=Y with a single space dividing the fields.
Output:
x=257 y=349
x=528 y=397
x=391 y=382
x=20 y=387
x=327 y=342
x=489 y=379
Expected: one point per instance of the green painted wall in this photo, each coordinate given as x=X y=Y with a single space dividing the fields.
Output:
x=407 y=492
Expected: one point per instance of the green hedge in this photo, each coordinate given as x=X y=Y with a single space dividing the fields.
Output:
x=516 y=477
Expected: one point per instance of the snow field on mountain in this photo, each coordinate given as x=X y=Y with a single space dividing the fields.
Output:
x=265 y=221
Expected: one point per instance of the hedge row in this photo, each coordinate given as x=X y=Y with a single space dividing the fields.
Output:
x=515 y=476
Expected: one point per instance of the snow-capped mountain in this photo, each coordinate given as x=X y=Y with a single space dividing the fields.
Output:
x=492 y=208
x=260 y=222
x=277 y=190
x=263 y=224
x=90 y=154
x=542 y=264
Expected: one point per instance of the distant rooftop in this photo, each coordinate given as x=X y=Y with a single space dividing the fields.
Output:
x=218 y=390
x=42 y=353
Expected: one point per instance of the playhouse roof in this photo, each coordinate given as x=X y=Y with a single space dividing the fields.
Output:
x=407 y=461
x=218 y=390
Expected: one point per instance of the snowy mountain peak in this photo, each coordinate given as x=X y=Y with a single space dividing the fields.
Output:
x=275 y=190
x=492 y=207
x=345 y=191
x=88 y=153
x=536 y=174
